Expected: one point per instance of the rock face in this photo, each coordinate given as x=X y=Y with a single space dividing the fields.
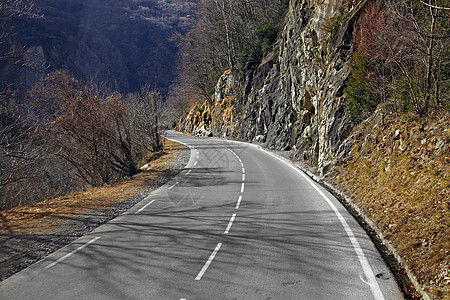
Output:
x=294 y=100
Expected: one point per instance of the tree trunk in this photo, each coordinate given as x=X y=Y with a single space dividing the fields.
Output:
x=430 y=50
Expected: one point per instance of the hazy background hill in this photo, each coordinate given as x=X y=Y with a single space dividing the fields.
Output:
x=123 y=44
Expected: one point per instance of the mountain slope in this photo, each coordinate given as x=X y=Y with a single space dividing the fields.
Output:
x=123 y=44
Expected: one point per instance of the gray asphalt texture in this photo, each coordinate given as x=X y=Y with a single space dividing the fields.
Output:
x=285 y=241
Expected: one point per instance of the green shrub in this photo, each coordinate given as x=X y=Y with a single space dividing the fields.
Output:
x=249 y=55
x=266 y=34
x=200 y=109
x=332 y=24
x=361 y=100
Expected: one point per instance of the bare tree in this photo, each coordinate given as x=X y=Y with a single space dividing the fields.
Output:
x=143 y=111
x=9 y=10
x=91 y=130
x=405 y=47
x=416 y=32
x=20 y=142
x=225 y=35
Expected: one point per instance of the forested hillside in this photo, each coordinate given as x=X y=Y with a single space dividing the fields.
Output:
x=80 y=87
x=123 y=44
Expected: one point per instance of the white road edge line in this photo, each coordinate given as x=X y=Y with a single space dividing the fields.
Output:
x=375 y=288
x=144 y=207
x=230 y=224
x=182 y=143
x=211 y=257
x=172 y=186
x=239 y=202
x=71 y=253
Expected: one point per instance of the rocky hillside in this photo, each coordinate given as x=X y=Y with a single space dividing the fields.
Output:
x=398 y=174
x=122 y=44
x=294 y=100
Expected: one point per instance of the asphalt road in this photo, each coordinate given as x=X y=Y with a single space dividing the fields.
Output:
x=236 y=223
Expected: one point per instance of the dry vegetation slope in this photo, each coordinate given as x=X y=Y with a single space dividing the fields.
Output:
x=398 y=174
x=20 y=226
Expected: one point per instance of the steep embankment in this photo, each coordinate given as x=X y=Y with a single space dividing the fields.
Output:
x=398 y=174
x=395 y=169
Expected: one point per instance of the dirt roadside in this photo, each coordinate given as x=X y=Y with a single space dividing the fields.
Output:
x=30 y=233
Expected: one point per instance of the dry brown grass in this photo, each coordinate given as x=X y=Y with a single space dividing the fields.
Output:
x=401 y=182
x=45 y=214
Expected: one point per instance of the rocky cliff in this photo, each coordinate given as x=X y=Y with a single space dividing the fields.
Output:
x=294 y=99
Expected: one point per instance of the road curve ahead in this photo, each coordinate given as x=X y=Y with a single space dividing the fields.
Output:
x=236 y=223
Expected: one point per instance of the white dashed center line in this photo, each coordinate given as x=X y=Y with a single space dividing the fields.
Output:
x=211 y=258
x=230 y=224
x=239 y=202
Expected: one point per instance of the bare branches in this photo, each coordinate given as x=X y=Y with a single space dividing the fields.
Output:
x=225 y=35
x=17 y=8
x=404 y=43
x=10 y=10
x=20 y=141
x=11 y=53
x=435 y=6
x=143 y=113
x=97 y=133
x=20 y=144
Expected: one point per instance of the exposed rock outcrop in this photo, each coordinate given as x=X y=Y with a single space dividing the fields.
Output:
x=294 y=100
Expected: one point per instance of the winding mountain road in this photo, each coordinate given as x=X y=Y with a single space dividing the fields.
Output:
x=236 y=223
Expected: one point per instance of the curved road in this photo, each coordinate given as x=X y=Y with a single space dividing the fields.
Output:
x=236 y=223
